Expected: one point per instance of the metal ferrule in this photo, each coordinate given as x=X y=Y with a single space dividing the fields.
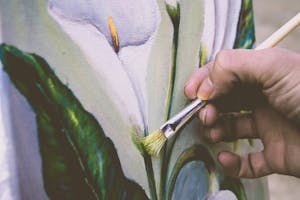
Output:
x=175 y=123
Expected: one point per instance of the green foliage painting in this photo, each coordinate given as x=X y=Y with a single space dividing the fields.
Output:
x=79 y=161
x=99 y=75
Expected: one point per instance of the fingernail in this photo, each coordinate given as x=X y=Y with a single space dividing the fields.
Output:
x=187 y=90
x=203 y=116
x=220 y=157
x=205 y=89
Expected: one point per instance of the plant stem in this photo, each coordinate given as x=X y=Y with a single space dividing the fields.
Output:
x=175 y=21
x=174 y=14
x=150 y=175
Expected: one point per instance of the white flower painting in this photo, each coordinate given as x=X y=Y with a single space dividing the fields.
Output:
x=124 y=63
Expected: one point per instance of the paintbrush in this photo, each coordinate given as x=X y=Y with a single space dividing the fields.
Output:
x=156 y=140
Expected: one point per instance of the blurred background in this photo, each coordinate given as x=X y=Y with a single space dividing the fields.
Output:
x=269 y=15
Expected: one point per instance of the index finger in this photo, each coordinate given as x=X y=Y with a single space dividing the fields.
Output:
x=196 y=80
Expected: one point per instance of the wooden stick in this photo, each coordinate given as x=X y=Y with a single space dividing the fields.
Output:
x=281 y=33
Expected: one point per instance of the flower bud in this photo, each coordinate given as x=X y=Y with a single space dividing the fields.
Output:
x=173 y=8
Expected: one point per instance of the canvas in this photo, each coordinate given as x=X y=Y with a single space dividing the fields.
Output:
x=82 y=81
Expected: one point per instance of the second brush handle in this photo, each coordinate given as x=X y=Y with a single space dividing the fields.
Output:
x=180 y=119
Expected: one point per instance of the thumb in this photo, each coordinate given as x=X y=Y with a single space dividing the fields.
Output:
x=242 y=67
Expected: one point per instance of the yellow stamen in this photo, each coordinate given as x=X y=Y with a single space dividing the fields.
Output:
x=114 y=34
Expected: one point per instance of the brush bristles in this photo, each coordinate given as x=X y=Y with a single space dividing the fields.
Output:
x=154 y=142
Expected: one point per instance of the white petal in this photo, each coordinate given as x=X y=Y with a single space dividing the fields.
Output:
x=208 y=34
x=222 y=10
x=226 y=20
x=20 y=160
x=135 y=62
x=105 y=63
x=8 y=176
x=135 y=20
x=232 y=23
x=223 y=195
x=220 y=25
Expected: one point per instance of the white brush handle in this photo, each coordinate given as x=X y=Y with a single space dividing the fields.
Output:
x=281 y=33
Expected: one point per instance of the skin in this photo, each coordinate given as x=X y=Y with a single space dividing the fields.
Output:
x=265 y=81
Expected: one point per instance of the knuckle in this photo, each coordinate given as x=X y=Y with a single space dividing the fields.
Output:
x=224 y=60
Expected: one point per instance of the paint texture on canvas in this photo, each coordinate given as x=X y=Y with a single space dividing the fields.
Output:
x=95 y=76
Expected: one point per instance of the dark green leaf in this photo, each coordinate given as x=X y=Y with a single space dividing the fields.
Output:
x=245 y=35
x=79 y=161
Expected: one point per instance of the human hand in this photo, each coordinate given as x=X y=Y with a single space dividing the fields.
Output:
x=267 y=81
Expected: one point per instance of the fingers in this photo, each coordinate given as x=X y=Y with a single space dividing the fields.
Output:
x=252 y=165
x=195 y=80
x=230 y=127
x=231 y=67
x=208 y=115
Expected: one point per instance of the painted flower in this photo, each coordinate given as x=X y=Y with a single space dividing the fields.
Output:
x=138 y=55
x=89 y=24
x=119 y=41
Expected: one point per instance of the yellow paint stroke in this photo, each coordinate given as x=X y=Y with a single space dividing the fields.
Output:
x=203 y=58
x=113 y=34
x=73 y=117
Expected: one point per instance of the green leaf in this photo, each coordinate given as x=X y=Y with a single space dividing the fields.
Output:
x=79 y=161
x=63 y=176
x=245 y=35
